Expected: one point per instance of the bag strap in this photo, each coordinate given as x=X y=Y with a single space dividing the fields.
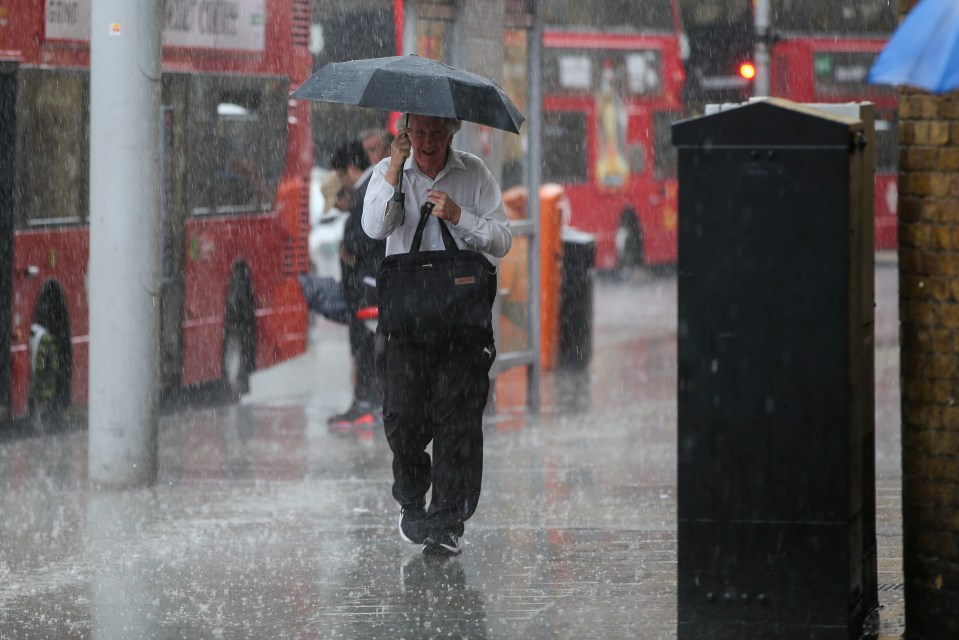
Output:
x=425 y=216
x=418 y=235
x=447 y=236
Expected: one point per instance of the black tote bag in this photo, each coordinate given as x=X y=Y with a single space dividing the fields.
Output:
x=435 y=290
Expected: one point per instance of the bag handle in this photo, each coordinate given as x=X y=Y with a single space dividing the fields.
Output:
x=425 y=215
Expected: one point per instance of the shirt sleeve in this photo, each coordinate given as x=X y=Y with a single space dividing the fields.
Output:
x=486 y=227
x=379 y=219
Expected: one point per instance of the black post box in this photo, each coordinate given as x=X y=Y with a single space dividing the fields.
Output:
x=776 y=410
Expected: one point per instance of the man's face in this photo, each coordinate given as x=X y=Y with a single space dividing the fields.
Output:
x=430 y=138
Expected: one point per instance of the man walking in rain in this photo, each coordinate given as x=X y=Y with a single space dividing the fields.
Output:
x=436 y=383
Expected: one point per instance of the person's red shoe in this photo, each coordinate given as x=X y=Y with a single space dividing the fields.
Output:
x=345 y=421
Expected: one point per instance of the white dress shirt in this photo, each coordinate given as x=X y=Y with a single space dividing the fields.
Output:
x=483 y=224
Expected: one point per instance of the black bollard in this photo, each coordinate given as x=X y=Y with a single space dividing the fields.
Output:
x=576 y=300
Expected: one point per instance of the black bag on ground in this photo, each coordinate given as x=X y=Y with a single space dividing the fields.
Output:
x=435 y=290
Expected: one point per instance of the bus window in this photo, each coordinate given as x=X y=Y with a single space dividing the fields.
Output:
x=867 y=16
x=564 y=161
x=53 y=147
x=805 y=15
x=887 y=145
x=579 y=71
x=240 y=166
x=637 y=158
x=664 y=153
x=644 y=73
x=240 y=184
x=710 y=13
x=843 y=73
x=829 y=16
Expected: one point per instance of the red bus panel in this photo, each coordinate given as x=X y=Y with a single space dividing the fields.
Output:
x=814 y=69
x=236 y=156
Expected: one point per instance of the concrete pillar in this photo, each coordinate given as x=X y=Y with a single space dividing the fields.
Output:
x=124 y=240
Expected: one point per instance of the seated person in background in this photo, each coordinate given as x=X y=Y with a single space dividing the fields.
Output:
x=322 y=288
x=327 y=231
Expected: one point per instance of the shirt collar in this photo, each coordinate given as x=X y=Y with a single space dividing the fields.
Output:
x=453 y=161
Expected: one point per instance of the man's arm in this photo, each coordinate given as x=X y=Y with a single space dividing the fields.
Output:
x=486 y=228
x=379 y=219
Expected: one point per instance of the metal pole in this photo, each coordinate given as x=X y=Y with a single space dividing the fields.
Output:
x=410 y=20
x=124 y=268
x=761 y=21
x=534 y=139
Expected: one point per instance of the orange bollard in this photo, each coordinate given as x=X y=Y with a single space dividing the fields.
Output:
x=550 y=272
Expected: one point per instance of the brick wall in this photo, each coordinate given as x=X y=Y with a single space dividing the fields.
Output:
x=929 y=312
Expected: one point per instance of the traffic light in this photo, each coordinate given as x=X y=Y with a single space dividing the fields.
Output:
x=747 y=71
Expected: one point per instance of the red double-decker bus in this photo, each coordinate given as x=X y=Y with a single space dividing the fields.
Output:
x=612 y=82
x=236 y=156
x=820 y=52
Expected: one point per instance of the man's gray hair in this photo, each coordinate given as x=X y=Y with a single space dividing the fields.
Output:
x=453 y=124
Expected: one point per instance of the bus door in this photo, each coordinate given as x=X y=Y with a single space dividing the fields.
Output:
x=172 y=225
x=8 y=112
x=644 y=184
x=662 y=239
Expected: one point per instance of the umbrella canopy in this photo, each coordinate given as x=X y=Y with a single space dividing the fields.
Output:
x=924 y=50
x=412 y=84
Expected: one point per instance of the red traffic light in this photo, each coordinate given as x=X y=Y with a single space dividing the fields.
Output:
x=747 y=70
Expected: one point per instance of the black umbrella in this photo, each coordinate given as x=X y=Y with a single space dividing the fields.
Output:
x=411 y=84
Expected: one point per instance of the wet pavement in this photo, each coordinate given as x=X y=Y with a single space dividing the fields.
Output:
x=266 y=524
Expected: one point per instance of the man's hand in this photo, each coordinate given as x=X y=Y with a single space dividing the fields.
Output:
x=443 y=206
x=400 y=150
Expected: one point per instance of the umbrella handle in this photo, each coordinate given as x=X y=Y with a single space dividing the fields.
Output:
x=399 y=183
x=398 y=195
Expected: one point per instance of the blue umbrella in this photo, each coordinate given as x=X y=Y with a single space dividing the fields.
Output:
x=924 y=50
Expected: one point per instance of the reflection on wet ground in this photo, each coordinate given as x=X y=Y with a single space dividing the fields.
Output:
x=266 y=524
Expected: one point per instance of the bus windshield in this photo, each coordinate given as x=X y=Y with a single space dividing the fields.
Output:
x=632 y=15
x=834 y=16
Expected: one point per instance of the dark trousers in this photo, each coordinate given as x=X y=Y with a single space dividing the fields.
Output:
x=363 y=346
x=436 y=390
